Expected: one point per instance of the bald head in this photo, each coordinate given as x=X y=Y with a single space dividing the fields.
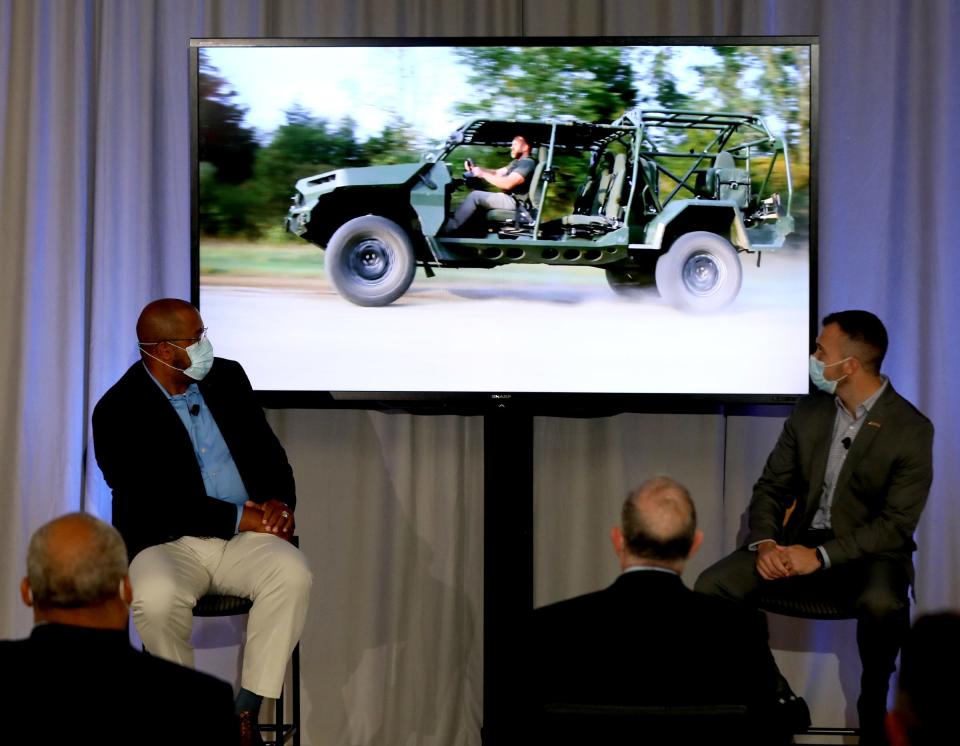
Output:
x=168 y=318
x=165 y=329
x=659 y=521
x=75 y=561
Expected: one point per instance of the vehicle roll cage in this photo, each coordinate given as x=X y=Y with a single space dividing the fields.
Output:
x=635 y=125
x=725 y=125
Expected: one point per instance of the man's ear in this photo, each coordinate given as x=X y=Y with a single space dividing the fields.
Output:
x=852 y=365
x=165 y=351
x=697 y=541
x=126 y=590
x=616 y=538
x=25 y=592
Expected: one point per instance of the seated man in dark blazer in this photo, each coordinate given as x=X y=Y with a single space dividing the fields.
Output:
x=76 y=678
x=647 y=640
x=203 y=496
x=858 y=460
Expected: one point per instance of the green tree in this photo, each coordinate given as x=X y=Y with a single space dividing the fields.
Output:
x=588 y=83
x=227 y=209
x=396 y=143
x=223 y=139
x=304 y=145
x=773 y=82
x=666 y=87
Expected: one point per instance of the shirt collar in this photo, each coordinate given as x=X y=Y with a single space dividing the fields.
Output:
x=867 y=404
x=191 y=389
x=647 y=568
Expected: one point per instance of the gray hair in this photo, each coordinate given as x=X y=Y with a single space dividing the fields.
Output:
x=75 y=560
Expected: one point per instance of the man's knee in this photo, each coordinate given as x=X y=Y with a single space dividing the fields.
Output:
x=885 y=592
x=880 y=604
x=709 y=581
x=299 y=577
x=155 y=595
x=293 y=572
x=155 y=600
x=733 y=577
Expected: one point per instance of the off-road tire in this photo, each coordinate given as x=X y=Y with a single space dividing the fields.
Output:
x=370 y=261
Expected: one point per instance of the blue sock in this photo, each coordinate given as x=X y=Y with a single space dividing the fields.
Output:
x=247 y=700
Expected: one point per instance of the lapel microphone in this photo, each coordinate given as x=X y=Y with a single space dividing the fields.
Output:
x=195 y=410
x=846 y=441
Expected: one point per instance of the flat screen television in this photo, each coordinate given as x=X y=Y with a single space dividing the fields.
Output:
x=560 y=221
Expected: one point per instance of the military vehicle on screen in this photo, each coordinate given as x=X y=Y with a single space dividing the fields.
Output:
x=670 y=198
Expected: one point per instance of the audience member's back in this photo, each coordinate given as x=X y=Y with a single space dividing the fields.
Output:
x=75 y=685
x=648 y=643
x=651 y=642
x=76 y=678
x=927 y=688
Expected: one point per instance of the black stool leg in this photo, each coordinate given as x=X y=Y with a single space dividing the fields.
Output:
x=278 y=721
x=296 y=695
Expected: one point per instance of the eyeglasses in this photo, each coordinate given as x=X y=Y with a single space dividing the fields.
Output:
x=203 y=334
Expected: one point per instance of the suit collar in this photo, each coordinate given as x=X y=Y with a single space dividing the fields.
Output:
x=628 y=581
x=823 y=427
x=157 y=408
x=76 y=636
x=874 y=421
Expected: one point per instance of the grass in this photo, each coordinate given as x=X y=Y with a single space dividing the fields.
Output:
x=240 y=258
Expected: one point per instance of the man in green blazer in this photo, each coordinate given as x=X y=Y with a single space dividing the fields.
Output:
x=854 y=462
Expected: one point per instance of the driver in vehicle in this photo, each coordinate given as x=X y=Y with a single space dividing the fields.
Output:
x=513 y=180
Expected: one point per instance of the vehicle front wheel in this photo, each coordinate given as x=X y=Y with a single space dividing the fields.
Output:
x=700 y=272
x=370 y=261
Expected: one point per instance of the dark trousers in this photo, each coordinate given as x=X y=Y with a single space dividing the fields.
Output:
x=880 y=587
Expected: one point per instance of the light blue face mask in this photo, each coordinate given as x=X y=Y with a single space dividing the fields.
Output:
x=201 y=358
x=816 y=374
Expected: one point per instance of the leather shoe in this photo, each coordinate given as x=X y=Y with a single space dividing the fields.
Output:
x=249 y=729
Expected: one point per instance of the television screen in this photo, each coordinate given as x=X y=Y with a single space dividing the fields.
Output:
x=392 y=218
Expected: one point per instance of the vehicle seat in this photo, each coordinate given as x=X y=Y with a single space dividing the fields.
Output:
x=607 y=215
x=593 y=194
x=525 y=212
x=612 y=208
x=651 y=175
x=726 y=181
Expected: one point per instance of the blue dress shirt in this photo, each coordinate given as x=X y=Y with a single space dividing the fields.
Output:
x=220 y=475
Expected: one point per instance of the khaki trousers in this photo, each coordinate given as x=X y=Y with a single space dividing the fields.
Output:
x=168 y=579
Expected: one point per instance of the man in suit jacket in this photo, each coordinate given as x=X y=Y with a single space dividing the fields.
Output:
x=204 y=498
x=647 y=640
x=857 y=458
x=76 y=678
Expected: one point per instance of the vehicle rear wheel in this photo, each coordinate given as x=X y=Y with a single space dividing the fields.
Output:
x=370 y=261
x=700 y=272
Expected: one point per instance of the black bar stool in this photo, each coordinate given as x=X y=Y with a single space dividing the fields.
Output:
x=809 y=607
x=213 y=605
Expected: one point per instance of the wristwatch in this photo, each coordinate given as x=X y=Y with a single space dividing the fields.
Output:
x=820 y=557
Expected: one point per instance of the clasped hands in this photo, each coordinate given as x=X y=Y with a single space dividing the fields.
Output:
x=269 y=517
x=775 y=561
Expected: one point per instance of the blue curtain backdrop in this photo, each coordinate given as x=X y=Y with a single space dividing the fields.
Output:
x=94 y=222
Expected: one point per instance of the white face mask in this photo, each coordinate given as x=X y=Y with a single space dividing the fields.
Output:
x=201 y=358
x=819 y=380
